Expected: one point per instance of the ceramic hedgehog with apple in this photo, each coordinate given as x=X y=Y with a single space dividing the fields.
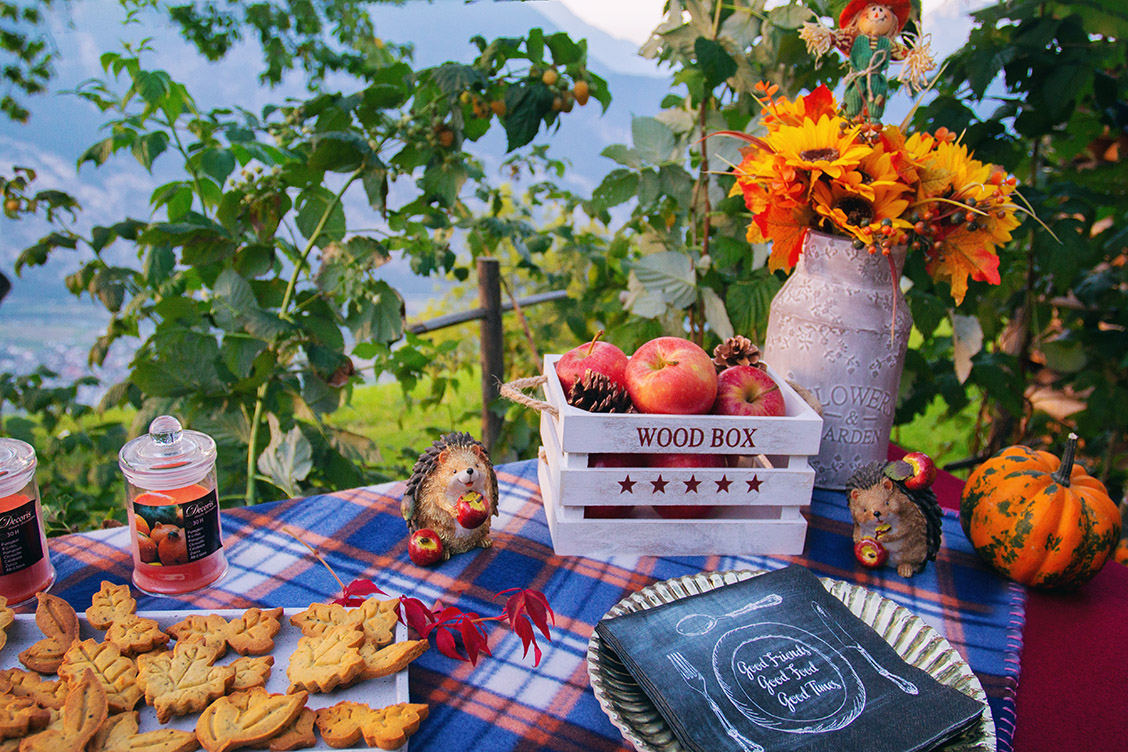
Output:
x=896 y=514
x=453 y=491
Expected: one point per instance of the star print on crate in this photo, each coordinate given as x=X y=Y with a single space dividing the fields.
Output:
x=775 y=663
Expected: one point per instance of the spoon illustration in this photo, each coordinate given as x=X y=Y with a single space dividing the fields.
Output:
x=692 y=625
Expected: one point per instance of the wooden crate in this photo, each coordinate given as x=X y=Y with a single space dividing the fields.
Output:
x=758 y=502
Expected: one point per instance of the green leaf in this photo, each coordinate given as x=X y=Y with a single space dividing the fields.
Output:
x=378 y=317
x=669 y=274
x=622 y=154
x=149 y=147
x=443 y=182
x=375 y=180
x=158 y=265
x=526 y=104
x=715 y=314
x=617 y=186
x=790 y=16
x=217 y=164
x=454 y=78
x=235 y=308
x=748 y=304
x=653 y=140
x=564 y=50
x=715 y=63
x=313 y=204
x=338 y=151
x=534 y=45
x=239 y=354
x=287 y=459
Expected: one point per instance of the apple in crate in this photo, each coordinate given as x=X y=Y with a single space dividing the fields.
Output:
x=472 y=510
x=673 y=376
x=600 y=357
x=425 y=547
x=747 y=390
x=612 y=511
x=686 y=511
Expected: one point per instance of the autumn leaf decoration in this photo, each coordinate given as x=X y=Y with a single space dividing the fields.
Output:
x=525 y=609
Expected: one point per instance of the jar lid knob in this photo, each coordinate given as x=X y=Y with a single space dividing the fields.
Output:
x=165 y=430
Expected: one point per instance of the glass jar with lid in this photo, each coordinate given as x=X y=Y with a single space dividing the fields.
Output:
x=173 y=507
x=25 y=565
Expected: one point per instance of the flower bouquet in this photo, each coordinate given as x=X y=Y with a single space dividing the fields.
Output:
x=874 y=184
x=831 y=188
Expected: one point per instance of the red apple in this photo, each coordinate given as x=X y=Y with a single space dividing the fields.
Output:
x=870 y=553
x=612 y=511
x=746 y=390
x=924 y=470
x=671 y=375
x=425 y=547
x=472 y=510
x=600 y=357
x=686 y=511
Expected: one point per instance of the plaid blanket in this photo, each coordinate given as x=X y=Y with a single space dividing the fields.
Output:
x=505 y=703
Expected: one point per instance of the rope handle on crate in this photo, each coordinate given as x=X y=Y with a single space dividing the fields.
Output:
x=515 y=391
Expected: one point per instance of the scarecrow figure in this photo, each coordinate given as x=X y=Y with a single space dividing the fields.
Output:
x=867 y=34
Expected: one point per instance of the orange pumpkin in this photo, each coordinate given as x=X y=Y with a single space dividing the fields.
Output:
x=1039 y=520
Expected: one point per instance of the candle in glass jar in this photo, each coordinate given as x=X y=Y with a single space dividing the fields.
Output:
x=173 y=509
x=25 y=566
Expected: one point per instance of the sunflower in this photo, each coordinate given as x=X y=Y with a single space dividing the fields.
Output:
x=857 y=214
x=820 y=147
x=874 y=171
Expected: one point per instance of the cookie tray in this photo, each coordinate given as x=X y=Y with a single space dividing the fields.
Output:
x=387 y=690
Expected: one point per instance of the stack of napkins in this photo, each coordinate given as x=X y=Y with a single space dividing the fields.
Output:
x=777 y=663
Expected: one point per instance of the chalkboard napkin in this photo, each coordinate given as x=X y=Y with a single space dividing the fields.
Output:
x=776 y=662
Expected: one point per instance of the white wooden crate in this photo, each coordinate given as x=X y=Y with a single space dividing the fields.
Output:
x=757 y=505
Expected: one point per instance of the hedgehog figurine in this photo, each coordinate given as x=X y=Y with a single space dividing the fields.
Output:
x=896 y=514
x=454 y=468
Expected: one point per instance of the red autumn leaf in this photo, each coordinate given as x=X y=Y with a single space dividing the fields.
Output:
x=524 y=630
x=417 y=616
x=963 y=256
x=444 y=641
x=536 y=612
x=818 y=103
x=355 y=591
x=787 y=233
x=472 y=639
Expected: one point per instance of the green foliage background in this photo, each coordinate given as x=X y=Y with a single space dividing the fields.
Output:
x=248 y=268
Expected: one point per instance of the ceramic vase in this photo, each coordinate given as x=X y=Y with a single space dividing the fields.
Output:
x=839 y=326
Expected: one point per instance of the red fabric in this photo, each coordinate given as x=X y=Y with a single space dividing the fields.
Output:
x=1073 y=682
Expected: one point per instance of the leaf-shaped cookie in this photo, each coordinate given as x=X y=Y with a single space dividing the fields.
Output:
x=120 y=734
x=19 y=715
x=115 y=672
x=321 y=663
x=49 y=694
x=245 y=718
x=212 y=628
x=298 y=735
x=183 y=681
x=253 y=633
x=388 y=728
x=378 y=620
x=343 y=724
x=7 y=616
x=391 y=659
x=83 y=713
x=340 y=724
x=251 y=672
x=56 y=619
x=110 y=603
x=134 y=635
x=319 y=618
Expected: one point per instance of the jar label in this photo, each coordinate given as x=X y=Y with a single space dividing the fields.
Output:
x=174 y=534
x=21 y=543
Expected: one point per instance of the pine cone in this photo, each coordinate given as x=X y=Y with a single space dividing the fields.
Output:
x=736 y=351
x=596 y=393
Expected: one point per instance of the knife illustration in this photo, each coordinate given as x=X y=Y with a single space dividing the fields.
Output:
x=848 y=642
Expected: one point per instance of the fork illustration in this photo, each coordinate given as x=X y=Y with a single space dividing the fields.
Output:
x=696 y=682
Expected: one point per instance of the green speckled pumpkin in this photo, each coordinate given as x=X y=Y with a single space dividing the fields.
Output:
x=1039 y=520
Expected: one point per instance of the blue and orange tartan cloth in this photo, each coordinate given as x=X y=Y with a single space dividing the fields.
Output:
x=505 y=703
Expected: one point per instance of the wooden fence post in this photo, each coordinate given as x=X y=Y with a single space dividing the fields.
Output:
x=493 y=350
